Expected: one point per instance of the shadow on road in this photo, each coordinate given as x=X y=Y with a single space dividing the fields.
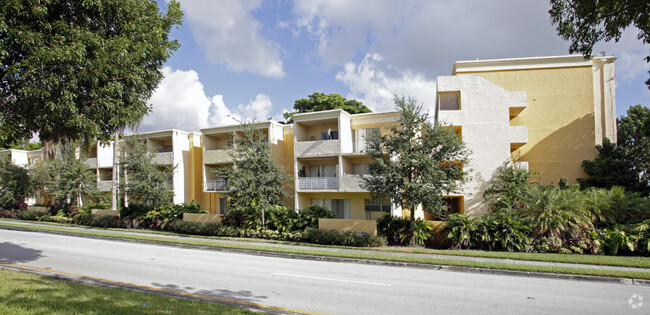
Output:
x=12 y=253
x=242 y=295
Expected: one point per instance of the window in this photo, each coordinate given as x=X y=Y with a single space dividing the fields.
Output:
x=340 y=207
x=223 y=205
x=330 y=135
x=361 y=168
x=378 y=205
x=449 y=100
x=328 y=170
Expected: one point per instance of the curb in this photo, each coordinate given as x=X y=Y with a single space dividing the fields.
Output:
x=530 y=274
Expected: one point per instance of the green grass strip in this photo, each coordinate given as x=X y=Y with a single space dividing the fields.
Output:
x=26 y=293
x=354 y=254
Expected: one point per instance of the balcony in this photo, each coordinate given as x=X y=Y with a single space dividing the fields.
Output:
x=216 y=185
x=518 y=137
x=163 y=158
x=351 y=183
x=104 y=185
x=318 y=183
x=317 y=148
x=217 y=157
x=91 y=162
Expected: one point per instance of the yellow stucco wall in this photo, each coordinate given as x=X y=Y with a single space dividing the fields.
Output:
x=559 y=115
x=357 y=201
x=359 y=226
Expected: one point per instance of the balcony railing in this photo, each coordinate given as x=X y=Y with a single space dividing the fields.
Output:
x=317 y=148
x=104 y=185
x=318 y=183
x=216 y=185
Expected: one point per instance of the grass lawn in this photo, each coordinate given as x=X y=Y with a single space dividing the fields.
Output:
x=25 y=293
x=384 y=254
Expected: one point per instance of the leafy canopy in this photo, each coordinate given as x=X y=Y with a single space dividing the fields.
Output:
x=586 y=22
x=417 y=162
x=73 y=69
x=15 y=184
x=255 y=181
x=317 y=102
x=67 y=177
x=627 y=163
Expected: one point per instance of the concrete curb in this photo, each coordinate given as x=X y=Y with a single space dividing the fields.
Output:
x=532 y=274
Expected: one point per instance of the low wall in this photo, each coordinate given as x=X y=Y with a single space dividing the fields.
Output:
x=342 y=225
x=202 y=217
x=37 y=209
x=105 y=212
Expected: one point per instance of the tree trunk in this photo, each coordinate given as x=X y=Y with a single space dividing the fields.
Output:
x=115 y=178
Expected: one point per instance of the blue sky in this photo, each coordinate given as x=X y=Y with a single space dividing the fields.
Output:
x=254 y=58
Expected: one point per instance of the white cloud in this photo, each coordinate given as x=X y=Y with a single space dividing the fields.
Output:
x=180 y=102
x=230 y=35
x=374 y=84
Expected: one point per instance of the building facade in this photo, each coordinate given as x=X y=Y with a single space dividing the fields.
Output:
x=546 y=114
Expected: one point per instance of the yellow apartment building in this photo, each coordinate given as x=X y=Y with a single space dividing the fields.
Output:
x=544 y=113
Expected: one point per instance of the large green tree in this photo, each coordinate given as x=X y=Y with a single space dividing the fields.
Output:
x=633 y=135
x=67 y=178
x=72 y=69
x=586 y=22
x=417 y=162
x=610 y=168
x=320 y=101
x=145 y=181
x=627 y=163
x=255 y=180
x=15 y=184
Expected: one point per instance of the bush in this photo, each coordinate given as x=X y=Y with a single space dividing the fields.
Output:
x=217 y=229
x=503 y=231
x=246 y=218
x=103 y=221
x=56 y=218
x=461 y=231
x=331 y=237
x=309 y=216
x=134 y=210
x=9 y=214
x=30 y=215
x=281 y=219
x=396 y=231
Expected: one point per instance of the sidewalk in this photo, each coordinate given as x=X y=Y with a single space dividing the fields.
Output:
x=330 y=249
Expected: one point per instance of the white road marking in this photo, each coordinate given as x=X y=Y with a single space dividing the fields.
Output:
x=68 y=248
x=331 y=279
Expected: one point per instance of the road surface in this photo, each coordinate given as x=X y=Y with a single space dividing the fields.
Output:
x=314 y=286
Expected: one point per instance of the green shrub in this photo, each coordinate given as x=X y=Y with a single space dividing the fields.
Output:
x=550 y=210
x=56 y=218
x=503 y=231
x=134 y=210
x=507 y=187
x=89 y=206
x=243 y=218
x=281 y=219
x=9 y=214
x=331 y=237
x=309 y=216
x=160 y=217
x=394 y=229
x=217 y=229
x=30 y=215
x=461 y=230
x=196 y=228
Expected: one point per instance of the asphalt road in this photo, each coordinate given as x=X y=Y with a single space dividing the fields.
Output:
x=313 y=286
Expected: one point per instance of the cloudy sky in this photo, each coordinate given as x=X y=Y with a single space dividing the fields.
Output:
x=254 y=58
